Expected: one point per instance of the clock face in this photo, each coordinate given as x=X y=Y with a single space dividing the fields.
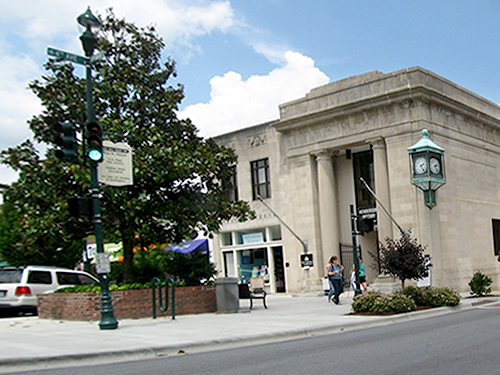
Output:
x=435 y=166
x=420 y=165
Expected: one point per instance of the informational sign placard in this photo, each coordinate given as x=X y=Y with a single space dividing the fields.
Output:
x=306 y=261
x=91 y=250
x=116 y=166
x=103 y=265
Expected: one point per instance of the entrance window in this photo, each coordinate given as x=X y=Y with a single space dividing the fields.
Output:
x=261 y=183
x=363 y=167
x=496 y=236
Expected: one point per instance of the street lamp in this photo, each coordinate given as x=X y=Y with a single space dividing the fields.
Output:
x=89 y=42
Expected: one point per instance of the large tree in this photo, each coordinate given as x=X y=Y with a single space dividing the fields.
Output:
x=177 y=174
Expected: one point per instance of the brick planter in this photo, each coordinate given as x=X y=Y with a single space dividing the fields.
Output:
x=128 y=304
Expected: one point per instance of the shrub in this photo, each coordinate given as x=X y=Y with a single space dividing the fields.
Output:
x=379 y=303
x=406 y=301
x=480 y=284
x=417 y=294
x=438 y=297
x=401 y=303
x=365 y=302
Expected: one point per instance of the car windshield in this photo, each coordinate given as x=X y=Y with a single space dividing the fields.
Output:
x=10 y=276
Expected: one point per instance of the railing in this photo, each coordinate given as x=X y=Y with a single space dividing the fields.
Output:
x=156 y=282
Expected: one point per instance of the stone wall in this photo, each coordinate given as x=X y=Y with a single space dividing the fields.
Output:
x=127 y=304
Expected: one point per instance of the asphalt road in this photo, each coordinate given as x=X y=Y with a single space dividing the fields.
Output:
x=465 y=342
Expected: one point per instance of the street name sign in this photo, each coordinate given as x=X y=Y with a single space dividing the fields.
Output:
x=67 y=56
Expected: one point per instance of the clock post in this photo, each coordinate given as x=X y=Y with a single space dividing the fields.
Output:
x=427 y=167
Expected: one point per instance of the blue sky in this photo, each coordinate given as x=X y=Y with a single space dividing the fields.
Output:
x=239 y=59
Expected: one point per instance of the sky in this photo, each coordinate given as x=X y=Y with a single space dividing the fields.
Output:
x=240 y=59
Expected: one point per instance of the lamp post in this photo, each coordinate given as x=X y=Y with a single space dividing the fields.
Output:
x=357 y=291
x=89 y=42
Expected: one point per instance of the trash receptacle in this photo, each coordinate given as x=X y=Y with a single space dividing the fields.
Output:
x=226 y=291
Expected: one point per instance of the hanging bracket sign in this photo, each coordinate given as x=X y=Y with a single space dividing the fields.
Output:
x=116 y=166
x=306 y=261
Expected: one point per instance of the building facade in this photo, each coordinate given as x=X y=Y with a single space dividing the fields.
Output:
x=301 y=175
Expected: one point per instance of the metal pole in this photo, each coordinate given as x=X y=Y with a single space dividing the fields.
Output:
x=404 y=233
x=303 y=242
x=108 y=320
x=357 y=291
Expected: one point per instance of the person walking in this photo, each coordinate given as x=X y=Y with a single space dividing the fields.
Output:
x=335 y=277
x=362 y=276
x=332 y=288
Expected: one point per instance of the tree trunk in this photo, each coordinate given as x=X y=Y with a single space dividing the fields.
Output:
x=128 y=251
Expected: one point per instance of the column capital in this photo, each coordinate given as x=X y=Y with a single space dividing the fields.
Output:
x=324 y=154
x=378 y=142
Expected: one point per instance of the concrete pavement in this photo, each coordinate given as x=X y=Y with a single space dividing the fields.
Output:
x=30 y=343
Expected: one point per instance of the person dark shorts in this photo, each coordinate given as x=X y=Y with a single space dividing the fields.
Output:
x=362 y=279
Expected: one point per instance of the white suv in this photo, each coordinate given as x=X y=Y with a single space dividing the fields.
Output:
x=20 y=285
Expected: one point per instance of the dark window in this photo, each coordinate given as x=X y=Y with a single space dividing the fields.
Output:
x=261 y=184
x=85 y=280
x=39 y=277
x=231 y=186
x=363 y=167
x=496 y=235
x=67 y=278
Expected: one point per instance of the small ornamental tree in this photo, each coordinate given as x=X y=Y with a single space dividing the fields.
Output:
x=404 y=259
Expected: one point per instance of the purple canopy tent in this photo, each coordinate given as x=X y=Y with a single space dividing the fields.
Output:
x=187 y=247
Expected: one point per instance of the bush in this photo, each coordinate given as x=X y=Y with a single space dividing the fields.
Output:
x=438 y=297
x=406 y=301
x=401 y=303
x=379 y=303
x=417 y=294
x=480 y=284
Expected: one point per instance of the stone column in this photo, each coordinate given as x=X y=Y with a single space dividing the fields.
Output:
x=383 y=283
x=327 y=200
x=385 y=224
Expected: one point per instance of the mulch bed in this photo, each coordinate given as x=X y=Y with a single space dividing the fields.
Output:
x=419 y=308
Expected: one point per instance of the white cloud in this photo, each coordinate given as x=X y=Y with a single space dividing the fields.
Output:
x=236 y=104
x=17 y=104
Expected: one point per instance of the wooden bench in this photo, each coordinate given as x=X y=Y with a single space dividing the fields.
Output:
x=253 y=291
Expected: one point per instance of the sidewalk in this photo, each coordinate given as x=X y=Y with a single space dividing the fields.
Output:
x=32 y=343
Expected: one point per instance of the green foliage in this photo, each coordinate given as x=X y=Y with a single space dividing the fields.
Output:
x=188 y=270
x=401 y=303
x=97 y=288
x=417 y=294
x=404 y=259
x=480 y=284
x=438 y=297
x=408 y=300
x=178 y=175
x=379 y=303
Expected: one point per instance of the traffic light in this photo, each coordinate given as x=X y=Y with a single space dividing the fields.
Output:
x=94 y=142
x=80 y=207
x=66 y=140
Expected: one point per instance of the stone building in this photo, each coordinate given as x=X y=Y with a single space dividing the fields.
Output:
x=306 y=169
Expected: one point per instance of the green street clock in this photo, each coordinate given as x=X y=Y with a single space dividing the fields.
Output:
x=427 y=167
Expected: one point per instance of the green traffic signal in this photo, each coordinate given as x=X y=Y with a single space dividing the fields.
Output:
x=66 y=140
x=94 y=142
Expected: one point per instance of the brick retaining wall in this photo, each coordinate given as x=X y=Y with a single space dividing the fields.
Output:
x=128 y=304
